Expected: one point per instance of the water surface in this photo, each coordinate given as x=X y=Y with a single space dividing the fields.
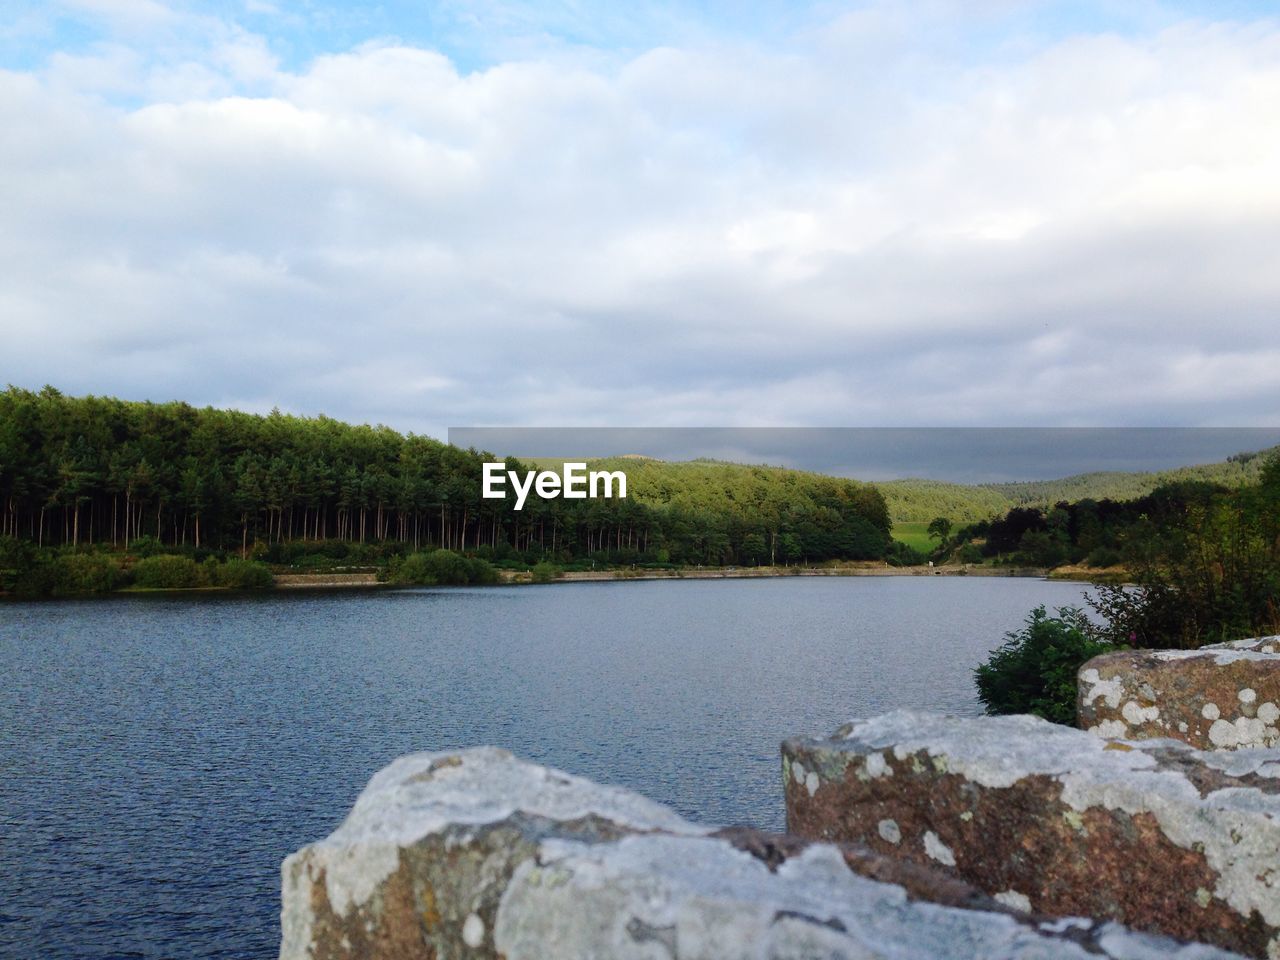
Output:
x=159 y=756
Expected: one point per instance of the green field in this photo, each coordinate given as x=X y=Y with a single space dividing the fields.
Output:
x=913 y=534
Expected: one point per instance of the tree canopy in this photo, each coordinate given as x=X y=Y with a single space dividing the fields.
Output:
x=78 y=472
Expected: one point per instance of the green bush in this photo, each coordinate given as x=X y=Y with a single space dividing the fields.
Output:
x=87 y=573
x=1040 y=548
x=15 y=553
x=442 y=567
x=322 y=554
x=1104 y=557
x=1211 y=576
x=17 y=557
x=167 y=572
x=145 y=546
x=35 y=582
x=544 y=572
x=50 y=574
x=1034 y=671
x=242 y=574
x=899 y=554
x=66 y=575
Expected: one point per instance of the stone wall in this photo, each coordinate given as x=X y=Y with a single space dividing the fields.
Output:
x=1223 y=697
x=480 y=855
x=1157 y=835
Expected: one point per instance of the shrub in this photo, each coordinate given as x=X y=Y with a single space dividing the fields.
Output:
x=15 y=553
x=1040 y=548
x=167 y=572
x=86 y=573
x=66 y=575
x=242 y=574
x=75 y=574
x=17 y=558
x=1103 y=557
x=145 y=546
x=1210 y=576
x=544 y=572
x=38 y=580
x=899 y=554
x=442 y=567
x=1034 y=671
x=321 y=553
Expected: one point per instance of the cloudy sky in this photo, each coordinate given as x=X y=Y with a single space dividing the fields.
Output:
x=986 y=212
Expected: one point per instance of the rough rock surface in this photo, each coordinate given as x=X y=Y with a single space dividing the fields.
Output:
x=478 y=854
x=1156 y=835
x=1222 y=697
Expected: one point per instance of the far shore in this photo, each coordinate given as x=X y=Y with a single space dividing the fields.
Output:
x=313 y=581
x=752 y=573
x=368 y=580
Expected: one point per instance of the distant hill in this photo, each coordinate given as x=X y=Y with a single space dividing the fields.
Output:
x=919 y=501
x=745 y=488
x=694 y=483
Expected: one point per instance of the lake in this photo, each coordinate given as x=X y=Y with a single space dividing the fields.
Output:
x=160 y=755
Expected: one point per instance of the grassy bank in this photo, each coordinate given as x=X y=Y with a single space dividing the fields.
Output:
x=915 y=534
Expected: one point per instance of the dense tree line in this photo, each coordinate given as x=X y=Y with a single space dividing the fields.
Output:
x=1242 y=469
x=1099 y=533
x=718 y=512
x=94 y=471
x=1205 y=558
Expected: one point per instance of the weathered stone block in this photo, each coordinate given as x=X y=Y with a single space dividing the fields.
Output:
x=1157 y=835
x=420 y=863
x=1222 y=697
x=477 y=854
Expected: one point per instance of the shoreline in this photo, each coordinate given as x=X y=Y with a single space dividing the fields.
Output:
x=759 y=573
x=303 y=582
x=320 y=581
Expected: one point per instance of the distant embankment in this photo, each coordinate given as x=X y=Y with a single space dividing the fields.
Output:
x=328 y=581
x=868 y=569
x=299 y=581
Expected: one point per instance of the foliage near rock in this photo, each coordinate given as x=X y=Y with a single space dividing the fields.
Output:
x=1205 y=566
x=1210 y=575
x=1035 y=670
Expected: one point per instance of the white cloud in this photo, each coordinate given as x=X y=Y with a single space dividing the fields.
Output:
x=804 y=232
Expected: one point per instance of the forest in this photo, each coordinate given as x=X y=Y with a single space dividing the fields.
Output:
x=1106 y=532
x=96 y=473
x=1204 y=557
